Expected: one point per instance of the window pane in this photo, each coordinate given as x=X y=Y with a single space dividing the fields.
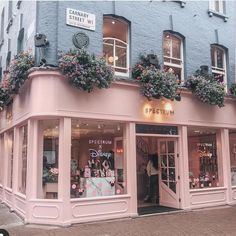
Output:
x=97 y=159
x=23 y=159
x=203 y=160
x=49 y=149
x=108 y=54
x=10 y=144
x=217 y=6
x=213 y=63
x=120 y=58
x=220 y=58
x=167 y=45
x=176 y=71
x=176 y=47
x=232 y=143
x=1 y=158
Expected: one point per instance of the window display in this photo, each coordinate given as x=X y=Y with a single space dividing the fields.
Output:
x=97 y=159
x=232 y=146
x=10 y=144
x=49 y=152
x=203 y=159
x=23 y=158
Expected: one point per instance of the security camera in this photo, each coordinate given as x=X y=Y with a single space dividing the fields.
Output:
x=40 y=40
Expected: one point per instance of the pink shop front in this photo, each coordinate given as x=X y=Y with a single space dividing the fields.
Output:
x=68 y=156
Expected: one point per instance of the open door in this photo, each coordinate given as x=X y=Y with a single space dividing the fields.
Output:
x=169 y=186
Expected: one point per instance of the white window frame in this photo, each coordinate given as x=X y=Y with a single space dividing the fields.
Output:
x=216 y=69
x=114 y=55
x=181 y=59
x=221 y=6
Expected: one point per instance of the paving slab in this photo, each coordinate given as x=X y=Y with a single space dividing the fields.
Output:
x=215 y=221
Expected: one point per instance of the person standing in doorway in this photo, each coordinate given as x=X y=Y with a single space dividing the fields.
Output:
x=152 y=172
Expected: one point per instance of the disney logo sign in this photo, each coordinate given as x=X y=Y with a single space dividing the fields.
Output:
x=94 y=153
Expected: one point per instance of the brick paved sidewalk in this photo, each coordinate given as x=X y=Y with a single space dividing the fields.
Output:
x=216 y=221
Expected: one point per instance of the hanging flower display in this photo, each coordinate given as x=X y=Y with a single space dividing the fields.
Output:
x=206 y=88
x=18 y=71
x=85 y=71
x=154 y=82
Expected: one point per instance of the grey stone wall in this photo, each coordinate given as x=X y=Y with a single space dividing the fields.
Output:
x=148 y=20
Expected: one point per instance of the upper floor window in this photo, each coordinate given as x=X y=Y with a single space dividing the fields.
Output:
x=2 y=26
x=115 y=44
x=173 y=54
x=217 y=6
x=9 y=10
x=218 y=63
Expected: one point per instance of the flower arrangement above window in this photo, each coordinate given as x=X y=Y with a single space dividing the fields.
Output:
x=206 y=88
x=18 y=71
x=154 y=82
x=85 y=71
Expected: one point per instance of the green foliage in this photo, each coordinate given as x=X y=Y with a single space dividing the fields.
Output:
x=85 y=71
x=233 y=90
x=206 y=88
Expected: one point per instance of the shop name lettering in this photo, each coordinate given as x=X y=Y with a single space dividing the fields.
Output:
x=100 y=141
x=158 y=111
x=94 y=153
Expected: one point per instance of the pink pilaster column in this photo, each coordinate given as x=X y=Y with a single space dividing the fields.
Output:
x=6 y=166
x=32 y=168
x=184 y=168
x=131 y=167
x=225 y=163
x=15 y=174
x=64 y=169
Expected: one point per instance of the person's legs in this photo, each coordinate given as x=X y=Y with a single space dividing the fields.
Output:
x=153 y=188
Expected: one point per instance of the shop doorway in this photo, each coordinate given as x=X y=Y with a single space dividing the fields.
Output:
x=161 y=194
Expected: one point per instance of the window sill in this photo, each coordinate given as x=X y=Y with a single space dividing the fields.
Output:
x=214 y=13
x=182 y=3
x=10 y=22
x=210 y=189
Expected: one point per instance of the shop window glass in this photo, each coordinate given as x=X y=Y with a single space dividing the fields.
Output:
x=23 y=134
x=203 y=158
x=49 y=153
x=97 y=159
x=218 y=64
x=115 y=44
x=173 y=54
x=232 y=143
x=1 y=159
x=10 y=144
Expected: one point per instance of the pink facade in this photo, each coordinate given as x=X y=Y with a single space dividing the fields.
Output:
x=48 y=96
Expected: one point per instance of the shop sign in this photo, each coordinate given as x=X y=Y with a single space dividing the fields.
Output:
x=80 y=19
x=100 y=141
x=156 y=129
x=158 y=111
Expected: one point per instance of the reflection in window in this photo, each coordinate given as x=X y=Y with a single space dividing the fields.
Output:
x=1 y=158
x=173 y=54
x=97 y=159
x=10 y=144
x=115 y=44
x=218 y=63
x=203 y=158
x=232 y=145
x=23 y=158
x=49 y=152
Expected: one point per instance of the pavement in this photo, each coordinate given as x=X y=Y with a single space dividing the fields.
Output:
x=214 y=221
